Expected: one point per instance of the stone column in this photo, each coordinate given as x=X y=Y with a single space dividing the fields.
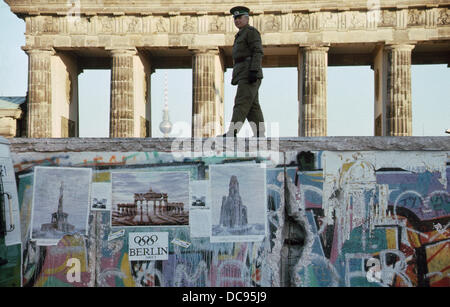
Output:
x=142 y=95
x=398 y=90
x=122 y=93
x=207 y=93
x=379 y=71
x=312 y=88
x=39 y=111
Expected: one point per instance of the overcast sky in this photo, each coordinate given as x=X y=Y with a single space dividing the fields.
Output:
x=350 y=106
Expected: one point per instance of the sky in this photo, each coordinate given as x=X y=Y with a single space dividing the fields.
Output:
x=350 y=94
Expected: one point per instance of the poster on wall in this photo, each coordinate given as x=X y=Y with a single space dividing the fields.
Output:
x=60 y=203
x=101 y=196
x=238 y=203
x=144 y=246
x=199 y=194
x=9 y=205
x=200 y=211
x=150 y=198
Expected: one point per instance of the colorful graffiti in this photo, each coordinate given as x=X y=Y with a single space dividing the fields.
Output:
x=370 y=225
x=334 y=219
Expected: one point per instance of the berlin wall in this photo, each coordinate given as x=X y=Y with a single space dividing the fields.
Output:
x=303 y=212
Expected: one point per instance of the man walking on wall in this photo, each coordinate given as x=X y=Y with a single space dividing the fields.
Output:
x=247 y=74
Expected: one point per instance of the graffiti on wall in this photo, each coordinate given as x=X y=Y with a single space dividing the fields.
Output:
x=373 y=219
x=352 y=219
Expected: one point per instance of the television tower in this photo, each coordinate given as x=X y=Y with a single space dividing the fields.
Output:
x=165 y=126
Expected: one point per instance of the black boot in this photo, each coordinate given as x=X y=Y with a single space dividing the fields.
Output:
x=228 y=135
x=3 y=261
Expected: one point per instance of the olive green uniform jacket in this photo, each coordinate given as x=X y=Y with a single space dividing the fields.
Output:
x=247 y=55
x=247 y=45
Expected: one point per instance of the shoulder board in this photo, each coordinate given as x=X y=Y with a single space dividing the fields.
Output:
x=253 y=29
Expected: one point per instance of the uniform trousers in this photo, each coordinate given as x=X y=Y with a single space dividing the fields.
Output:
x=246 y=106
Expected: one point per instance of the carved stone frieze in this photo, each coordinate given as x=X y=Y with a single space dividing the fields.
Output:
x=387 y=18
x=329 y=20
x=416 y=17
x=216 y=24
x=272 y=23
x=133 y=25
x=188 y=24
x=107 y=24
x=160 y=25
x=191 y=24
x=77 y=25
x=79 y=31
x=356 y=20
x=300 y=22
x=443 y=17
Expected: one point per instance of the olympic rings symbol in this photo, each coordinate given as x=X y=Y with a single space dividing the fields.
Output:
x=145 y=240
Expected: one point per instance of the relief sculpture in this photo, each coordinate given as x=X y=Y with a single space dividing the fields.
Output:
x=301 y=22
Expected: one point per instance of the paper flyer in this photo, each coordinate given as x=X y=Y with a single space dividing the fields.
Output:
x=144 y=246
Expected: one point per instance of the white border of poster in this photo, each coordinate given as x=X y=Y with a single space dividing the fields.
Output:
x=138 y=183
x=73 y=184
x=11 y=201
x=200 y=215
x=252 y=188
x=101 y=194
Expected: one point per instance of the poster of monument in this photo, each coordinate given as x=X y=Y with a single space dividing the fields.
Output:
x=238 y=203
x=9 y=206
x=60 y=203
x=150 y=198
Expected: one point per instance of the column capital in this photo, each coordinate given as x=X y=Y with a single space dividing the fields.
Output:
x=122 y=51
x=13 y=113
x=315 y=47
x=31 y=50
x=205 y=49
x=400 y=46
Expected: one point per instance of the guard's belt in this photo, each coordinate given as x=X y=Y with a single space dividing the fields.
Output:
x=242 y=59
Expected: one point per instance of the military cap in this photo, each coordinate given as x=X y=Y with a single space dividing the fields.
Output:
x=239 y=10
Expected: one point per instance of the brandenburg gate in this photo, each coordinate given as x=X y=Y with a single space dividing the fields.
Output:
x=133 y=38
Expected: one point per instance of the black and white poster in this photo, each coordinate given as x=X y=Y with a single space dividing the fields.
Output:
x=9 y=206
x=238 y=203
x=150 y=199
x=144 y=246
x=60 y=203
x=101 y=196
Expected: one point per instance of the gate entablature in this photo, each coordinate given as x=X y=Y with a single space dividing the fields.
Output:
x=134 y=40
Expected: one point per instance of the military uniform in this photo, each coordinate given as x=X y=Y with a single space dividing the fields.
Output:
x=247 y=56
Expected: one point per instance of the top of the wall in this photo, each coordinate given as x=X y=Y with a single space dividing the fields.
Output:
x=19 y=145
x=4 y=140
x=145 y=7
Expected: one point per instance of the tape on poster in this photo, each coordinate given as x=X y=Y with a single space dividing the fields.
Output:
x=116 y=235
x=181 y=243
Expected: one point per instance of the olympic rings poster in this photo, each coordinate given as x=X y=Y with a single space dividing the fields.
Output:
x=148 y=246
